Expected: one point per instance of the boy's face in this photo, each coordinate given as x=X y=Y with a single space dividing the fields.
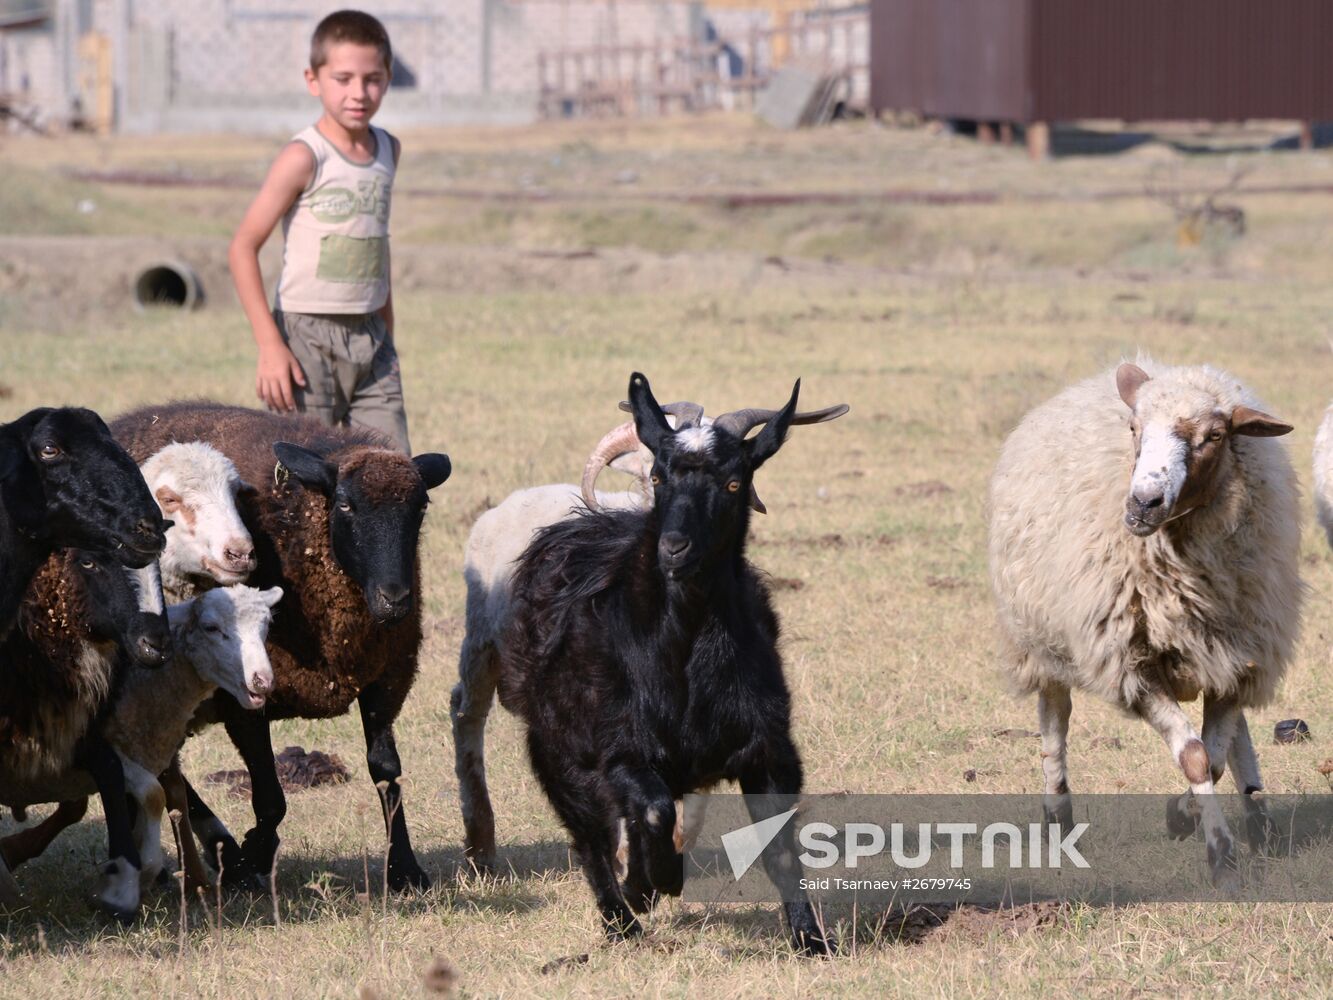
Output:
x=351 y=84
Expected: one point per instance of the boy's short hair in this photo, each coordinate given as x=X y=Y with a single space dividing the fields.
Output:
x=353 y=26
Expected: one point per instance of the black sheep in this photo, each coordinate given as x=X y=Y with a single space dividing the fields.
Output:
x=335 y=521
x=642 y=655
x=64 y=482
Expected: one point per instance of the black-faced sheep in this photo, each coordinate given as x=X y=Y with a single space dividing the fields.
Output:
x=335 y=523
x=1144 y=535
x=64 y=482
x=58 y=672
x=642 y=655
x=218 y=642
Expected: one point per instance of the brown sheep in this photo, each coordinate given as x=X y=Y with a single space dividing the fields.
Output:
x=335 y=521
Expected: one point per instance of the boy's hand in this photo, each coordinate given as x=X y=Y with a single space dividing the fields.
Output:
x=278 y=369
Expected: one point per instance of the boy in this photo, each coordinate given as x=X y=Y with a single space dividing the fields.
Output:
x=327 y=347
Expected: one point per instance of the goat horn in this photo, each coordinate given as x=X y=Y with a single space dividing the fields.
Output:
x=741 y=422
x=616 y=443
x=687 y=414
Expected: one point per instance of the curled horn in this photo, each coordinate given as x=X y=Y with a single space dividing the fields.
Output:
x=616 y=443
x=741 y=422
x=687 y=414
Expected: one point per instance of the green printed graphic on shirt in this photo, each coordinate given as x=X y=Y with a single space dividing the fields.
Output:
x=338 y=204
x=351 y=258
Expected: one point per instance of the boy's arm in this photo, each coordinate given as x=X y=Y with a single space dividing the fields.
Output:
x=386 y=310
x=278 y=367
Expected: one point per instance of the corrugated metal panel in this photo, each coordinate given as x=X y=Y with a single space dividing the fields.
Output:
x=1051 y=60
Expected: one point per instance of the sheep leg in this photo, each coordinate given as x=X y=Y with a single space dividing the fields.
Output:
x=249 y=733
x=768 y=792
x=214 y=836
x=379 y=707
x=1161 y=711
x=469 y=706
x=118 y=890
x=151 y=802
x=1220 y=717
x=178 y=799
x=1260 y=830
x=27 y=844
x=1053 y=709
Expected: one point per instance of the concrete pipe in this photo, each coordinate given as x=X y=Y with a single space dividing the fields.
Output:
x=169 y=283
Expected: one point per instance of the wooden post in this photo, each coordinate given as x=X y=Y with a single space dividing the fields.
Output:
x=1039 y=140
x=1307 y=136
x=1006 y=133
x=986 y=133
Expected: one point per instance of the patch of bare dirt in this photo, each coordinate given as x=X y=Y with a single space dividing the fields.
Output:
x=945 y=582
x=930 y=488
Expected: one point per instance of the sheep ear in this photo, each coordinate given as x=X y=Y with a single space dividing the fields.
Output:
x=309 y=468
x=649 y=422
x=246 y=491
x=434 y=468
x=766 y=443
x=10 y=459
x=1128 y=379
x=271 y=596
x=1254 y=423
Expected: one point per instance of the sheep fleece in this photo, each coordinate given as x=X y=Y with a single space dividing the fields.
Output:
x=1083 y=601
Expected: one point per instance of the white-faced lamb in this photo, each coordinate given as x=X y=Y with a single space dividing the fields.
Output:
x=642 y=656
x=64 y=482
x=1144 y=534
x=196 y=487
x=218 y=641
x=335 y=521
x=59 y=668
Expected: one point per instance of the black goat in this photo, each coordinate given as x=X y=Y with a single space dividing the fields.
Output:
x=81 y=616
x=64 y=482
x=642 y=655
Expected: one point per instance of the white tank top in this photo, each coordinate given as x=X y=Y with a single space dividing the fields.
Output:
x=336 y=253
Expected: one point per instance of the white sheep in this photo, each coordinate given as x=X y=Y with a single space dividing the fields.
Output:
x=1143 y=546
x=218 y=638
x=1323 y=474
x=197 y=488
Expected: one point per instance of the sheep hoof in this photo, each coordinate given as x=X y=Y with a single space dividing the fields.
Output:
x=407 y=875
x=1262 y=833
x=1060 y=813
x=1182 y=817
x=243 y=878
x=1222 y=866
x=621 y=926
x=814 y=945
x=641 y=899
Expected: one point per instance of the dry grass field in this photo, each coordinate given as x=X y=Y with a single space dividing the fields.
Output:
x=946 y=289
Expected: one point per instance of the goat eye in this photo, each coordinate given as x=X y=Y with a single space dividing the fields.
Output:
x=50 y=453
x=1216 y=435
x=211 y=628
x=87 y=564
x=733 y=485
x=344 y=506
x=657 y=480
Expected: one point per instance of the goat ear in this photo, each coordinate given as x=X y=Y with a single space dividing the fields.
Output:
x=1128 y=379
x=309 y=468
x=433 y=467
x=1254 y=423
x=649 y=422
x=766 y=443
x=271 y=596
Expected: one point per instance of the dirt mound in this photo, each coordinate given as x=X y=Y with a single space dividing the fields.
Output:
x=297 y=770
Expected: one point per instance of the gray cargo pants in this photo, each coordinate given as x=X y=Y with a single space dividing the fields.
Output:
x=351 y=372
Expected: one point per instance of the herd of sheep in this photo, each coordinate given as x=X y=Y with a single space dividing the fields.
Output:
x=194 y=564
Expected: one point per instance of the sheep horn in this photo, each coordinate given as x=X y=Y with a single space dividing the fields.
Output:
x=614 y=444
x=687 y=414
x=741 y=422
